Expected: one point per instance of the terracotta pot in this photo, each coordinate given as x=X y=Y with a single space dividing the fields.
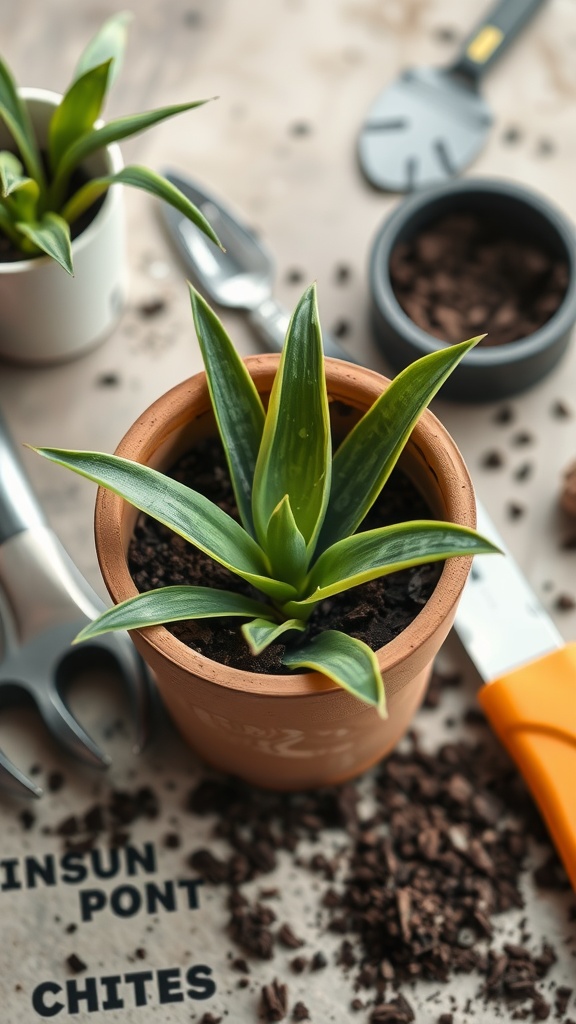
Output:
x=47 y=315
x=294 y=731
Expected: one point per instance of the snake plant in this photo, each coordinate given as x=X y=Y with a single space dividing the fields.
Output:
x=39 y=200
x=300 y=506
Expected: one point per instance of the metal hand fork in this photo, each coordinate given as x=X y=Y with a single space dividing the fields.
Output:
x=44 y=602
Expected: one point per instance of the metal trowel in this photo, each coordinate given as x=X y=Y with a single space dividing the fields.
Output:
x=432 y=122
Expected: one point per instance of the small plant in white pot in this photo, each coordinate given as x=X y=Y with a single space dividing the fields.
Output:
x=297 y=545
x=62 y=253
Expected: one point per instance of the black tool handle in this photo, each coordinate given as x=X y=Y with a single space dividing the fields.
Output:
x=19 y=508
x=493 y=35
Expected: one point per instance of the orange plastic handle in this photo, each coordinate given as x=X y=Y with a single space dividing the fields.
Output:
x=533 y=712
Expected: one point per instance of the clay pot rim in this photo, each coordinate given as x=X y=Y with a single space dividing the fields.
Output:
x=155 y=426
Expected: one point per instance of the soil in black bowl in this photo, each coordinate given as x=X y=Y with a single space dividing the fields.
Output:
x=375 y=612
x=465 y=275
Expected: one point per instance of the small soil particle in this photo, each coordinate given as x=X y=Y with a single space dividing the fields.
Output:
x=561 y=411
x=75 y=964
x=274 y=1001
x=27 y=819
x=522 y=437
x=568 y=493
x=342 y=274
x=524 y=471
x=55 y=782
x=294 y=275
x=504 y=416
x=300 y=1012
x=341 y=329
x=108 y=380
x=151 y=308
x=300 y=128
x=492 y=460
x=514 y=510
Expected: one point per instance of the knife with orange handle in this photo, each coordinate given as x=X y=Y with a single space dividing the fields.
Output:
x=530 y=692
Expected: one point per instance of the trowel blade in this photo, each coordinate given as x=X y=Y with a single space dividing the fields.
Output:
x=425 y=127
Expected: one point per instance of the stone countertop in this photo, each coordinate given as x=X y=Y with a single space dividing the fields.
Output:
x=294 y=79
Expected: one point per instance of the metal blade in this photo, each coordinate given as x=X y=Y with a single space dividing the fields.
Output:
x=239 y=278
x=424 y=128
x=499 y=619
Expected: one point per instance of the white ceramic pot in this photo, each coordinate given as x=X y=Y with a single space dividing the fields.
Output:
x=46 y=316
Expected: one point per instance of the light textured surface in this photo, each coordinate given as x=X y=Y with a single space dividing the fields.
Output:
x=294 y=80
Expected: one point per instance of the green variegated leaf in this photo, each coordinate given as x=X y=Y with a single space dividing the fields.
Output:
x=262 y=632
x=76 y=113
x=182 y=509
x=171 y=604
x=367 y=456
x=23 y=201
x=98 y=138
x=51 y=235
x=366 y=556
x=346 y=660
x=137 y=177
x=8 y=226
x=108 y=44
x=237 y=405
x=14 y=113
x=285 y=545
x=11 y=173
x=295 y=455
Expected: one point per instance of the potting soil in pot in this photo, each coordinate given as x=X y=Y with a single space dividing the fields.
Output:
x=375 y=612
x=464 y=275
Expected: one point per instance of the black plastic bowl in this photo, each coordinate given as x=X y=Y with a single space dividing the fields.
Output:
x=487 y=373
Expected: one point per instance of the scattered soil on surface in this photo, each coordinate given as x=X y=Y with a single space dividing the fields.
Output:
x=415 y=887
x=464 y=276
x=418 y=868
x=374 y=612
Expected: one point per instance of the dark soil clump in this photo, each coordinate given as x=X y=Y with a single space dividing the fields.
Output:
x=375 y=612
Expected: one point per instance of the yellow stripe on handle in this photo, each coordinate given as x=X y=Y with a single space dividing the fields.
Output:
x=533 y=712
x=481 y=48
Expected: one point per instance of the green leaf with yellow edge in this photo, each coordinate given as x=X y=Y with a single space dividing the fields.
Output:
x=8 y=226
x=347 y=661
x=373 y=553
x=50 y=234
x=368 y=454
x=295 y=454
x=98 y=138
x=137 y=177
x=188 y=513
x=237 y=405
x=77 y=111
x=14 y=113
x=108 y=44
x=23 y=201
x=171 y=604
x=11 y=173
x=262 y=632
x=285 y=545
